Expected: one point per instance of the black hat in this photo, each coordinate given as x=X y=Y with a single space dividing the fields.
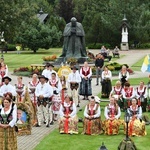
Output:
x=49 y=65
x=42 y=76
x=74 y=68
x=3 y=79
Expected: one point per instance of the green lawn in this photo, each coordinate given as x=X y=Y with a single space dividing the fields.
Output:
x=56 y=141
x=26 y=58
x=137 y=66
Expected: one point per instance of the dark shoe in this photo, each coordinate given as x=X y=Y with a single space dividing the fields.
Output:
x=78 y=105
x=96 y=84
x=80 y=109
x=44 y=122
x=37 y=125
x=84 y=98
x=51 y=123
x=47 y=125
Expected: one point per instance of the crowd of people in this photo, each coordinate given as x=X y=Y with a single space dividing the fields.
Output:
x=56 y=98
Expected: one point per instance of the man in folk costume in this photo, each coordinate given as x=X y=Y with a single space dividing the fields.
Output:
x=68 y=122
x=112 y=114
x=136 y=125
x=141 y=95
x=56 y=99
x=92 y=123
x=128 y=93
x=74 y=80
x=47 y=72
x=20 y=89
x=31 y=87
x=43 y=93
x=7 y=87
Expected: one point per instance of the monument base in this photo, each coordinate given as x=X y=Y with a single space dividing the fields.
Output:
x=124 y=46
x=63 y=60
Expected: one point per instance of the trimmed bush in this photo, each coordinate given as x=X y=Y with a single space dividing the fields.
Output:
x=11 y=47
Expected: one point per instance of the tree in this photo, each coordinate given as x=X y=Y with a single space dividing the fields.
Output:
x=38 y=35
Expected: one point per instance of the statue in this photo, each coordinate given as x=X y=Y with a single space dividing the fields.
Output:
x=74 y=41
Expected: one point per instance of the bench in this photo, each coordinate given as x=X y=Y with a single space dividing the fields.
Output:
x=35 y=67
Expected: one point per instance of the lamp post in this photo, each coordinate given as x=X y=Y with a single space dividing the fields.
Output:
x=127 y=119
x=103 y=147
x=127 y=143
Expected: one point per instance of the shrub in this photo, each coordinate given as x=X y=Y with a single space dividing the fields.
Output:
x=98 y=45
x=11 y=47
x=144 y=46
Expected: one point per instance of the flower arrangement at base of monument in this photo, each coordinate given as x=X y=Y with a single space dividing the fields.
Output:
x=49 y=58
x=72 y=61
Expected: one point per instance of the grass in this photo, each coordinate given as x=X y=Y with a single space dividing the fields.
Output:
x=56 y=141
x=26 y=58
x=137 y=66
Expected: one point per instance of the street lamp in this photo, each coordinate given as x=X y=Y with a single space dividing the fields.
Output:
x=103 y=147
x=127 y=119
x=127 y=143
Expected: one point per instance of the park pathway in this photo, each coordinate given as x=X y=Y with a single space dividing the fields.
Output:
x=29 y=142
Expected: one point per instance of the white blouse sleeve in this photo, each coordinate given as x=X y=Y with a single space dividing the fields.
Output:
x=14 y=118
x=61 y=113
x=119 y=113
x=85 y=112
x=106 y=113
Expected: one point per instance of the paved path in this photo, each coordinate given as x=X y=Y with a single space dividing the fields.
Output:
x=29 y=142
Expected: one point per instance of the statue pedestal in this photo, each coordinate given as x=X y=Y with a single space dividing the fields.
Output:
x=60 y=60
x=124 y=46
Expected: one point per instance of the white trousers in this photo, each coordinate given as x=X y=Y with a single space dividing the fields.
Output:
x=42 y=110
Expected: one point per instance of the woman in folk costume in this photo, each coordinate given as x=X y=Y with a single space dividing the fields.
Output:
x=128 y=93
x=64 y=87
x=141 y=95
x=8 y=118
x=112 y=113
x=148 y=91
x=106 y=82
x=3 y=71
x=92 y=122
x=56 y=99
x=136 y=125
x=85 y=85
x=117 y=94
x=20 y=89
x=31 y=87
x=68 y=122
x=123 y=75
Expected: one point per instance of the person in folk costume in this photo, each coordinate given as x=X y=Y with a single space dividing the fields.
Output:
x=123 y=75
x=106 y=82
x=112 y=114
x=3 y=71
x=47 y=72
x=43 y=93
x=7 y=87
x=64 y=87
x=117 y=94
x=136 y=125
x=141 y=95
x=8 y=118
x=92 y=123
x=68 y=122
x=148 y=91
x=85 y=85
x=31 y=87
x=74 y=80
x=128 y=93
x=20 y=89
x=56 y=99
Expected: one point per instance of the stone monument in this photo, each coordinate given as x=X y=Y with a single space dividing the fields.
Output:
x=74 y=42
x=124 y=39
